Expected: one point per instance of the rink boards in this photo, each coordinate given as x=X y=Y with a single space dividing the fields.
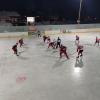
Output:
x=13 y=34
x=72 y=31
x=24 y=31
x=76 y=28
x=26 y=34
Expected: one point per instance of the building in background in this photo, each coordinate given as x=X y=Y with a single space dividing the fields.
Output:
x=12 y=18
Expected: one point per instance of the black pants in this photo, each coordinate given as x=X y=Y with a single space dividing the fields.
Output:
x=58 y=44
x=39 y=35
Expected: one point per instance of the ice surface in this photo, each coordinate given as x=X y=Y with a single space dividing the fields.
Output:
x=39 y=74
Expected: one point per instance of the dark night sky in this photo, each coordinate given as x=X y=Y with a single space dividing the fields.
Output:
x=67 y=8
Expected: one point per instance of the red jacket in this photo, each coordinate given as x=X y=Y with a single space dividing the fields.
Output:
x=63 y=49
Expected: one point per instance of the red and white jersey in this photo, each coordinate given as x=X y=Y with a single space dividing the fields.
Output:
x=80 y=47
x=63 y=49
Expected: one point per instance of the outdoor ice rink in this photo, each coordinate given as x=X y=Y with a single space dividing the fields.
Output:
x=39 y=74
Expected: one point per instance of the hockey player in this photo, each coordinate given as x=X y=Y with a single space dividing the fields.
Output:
x=44 y=38
x=80 y=50
x=51 y=44
x=14 y=48
x=63 y=51
x=58 y=42
x=21 y=42
x=97 y=41
x=48 y=39
x=77 y=40
x=39 y=34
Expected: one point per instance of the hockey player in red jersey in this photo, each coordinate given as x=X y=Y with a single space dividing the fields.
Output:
x=77 y=40
x=52 y=44
x=63 y=51
x=97 y=41
x=80 y=50
x=21 y=42
x=14 y=48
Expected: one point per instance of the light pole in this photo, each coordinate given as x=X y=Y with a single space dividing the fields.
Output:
x=79 y=14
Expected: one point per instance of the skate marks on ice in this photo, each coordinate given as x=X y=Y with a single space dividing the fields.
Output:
x=40 y=44
x=51 y=56
x=26 y=46
x=53 y=51
x=71 y=54
x=79 y=62
x=59 y=63
x=92 y=45
x=88 y=44
x=48 y=50
x=21 y=52
x=22 y=57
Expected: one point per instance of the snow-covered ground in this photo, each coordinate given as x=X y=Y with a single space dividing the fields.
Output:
x=39 y=74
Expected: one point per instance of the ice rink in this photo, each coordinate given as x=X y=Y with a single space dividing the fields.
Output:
x=39 y=74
